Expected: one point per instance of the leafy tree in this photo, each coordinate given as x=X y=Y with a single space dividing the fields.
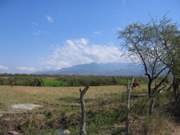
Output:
x=145 y=44
x=157 y=46
x=171 y=46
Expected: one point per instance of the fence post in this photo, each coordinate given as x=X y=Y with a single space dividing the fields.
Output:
x=128 y=106
x=83 y=113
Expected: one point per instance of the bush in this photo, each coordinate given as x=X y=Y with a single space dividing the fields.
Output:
x=35 y=82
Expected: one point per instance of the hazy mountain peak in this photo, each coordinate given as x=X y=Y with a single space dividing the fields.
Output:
x=94 y=68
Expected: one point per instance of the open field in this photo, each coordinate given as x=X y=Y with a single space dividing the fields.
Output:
x=56 y=100
x=52 y=95
x=25 y=94
x=106 y=109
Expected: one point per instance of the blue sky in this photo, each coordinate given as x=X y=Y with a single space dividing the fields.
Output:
x=37 y=35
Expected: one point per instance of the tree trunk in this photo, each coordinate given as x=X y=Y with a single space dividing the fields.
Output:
x=83 y=113
x=149 y=86
x=175 y=88
x=151 y=107
x=154 y=97
x=176 y=95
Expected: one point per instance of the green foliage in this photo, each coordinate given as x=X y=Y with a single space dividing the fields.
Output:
x=51 y=122
x=33 y=125
x=36 y=82
x=48 y=114
x=54 y=83
x=41 y=132
x=140 y=106
x=2 y=129
x=75 y=80
x=64 y=80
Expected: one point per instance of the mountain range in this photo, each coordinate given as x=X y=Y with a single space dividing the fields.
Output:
x=106 y=69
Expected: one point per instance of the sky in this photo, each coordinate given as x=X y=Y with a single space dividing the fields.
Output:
x=42 y=35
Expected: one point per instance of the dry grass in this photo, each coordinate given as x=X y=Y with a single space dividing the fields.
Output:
x=155 y=125
x=55 y=95
x=64 y=97
x=52 y=95
x=54 y=99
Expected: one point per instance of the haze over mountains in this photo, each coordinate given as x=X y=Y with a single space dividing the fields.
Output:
x=107 y=69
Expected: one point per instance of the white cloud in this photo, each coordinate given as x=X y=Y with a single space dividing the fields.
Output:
x=26 y=69
x=4 y=67
x=80 y=52
x=49 y=18
x=97 y=32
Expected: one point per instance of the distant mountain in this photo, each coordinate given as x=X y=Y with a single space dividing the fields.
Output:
x=116 y=69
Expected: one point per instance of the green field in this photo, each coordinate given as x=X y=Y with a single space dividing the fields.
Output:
x=105 y=109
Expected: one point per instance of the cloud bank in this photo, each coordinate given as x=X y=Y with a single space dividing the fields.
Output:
x=73 y=52
x=3 y=67
x=80 y=51
x=26 y=69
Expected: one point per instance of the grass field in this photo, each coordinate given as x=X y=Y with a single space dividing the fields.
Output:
x=61 y=99
x=106 y=108
x=25 y=94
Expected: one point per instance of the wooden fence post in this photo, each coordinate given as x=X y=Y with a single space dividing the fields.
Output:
x=128 y=106
x=83 y=113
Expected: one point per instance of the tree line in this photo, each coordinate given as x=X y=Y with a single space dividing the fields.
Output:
x=65 y=80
